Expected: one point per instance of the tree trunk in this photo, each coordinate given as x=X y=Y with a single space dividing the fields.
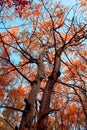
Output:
x=28 y=114
x=45 y=106
x=45 y=102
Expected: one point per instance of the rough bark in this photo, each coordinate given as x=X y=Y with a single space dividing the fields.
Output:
x=45 y=105
x=45 y=102
x=28 y=114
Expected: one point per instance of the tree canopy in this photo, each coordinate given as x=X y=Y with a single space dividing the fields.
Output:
x=43 y=65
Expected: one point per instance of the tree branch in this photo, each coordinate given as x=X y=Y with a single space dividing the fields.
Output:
x=8 y=107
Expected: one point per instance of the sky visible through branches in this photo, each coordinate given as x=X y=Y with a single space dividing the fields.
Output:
x=43 y=64
x=19 y=22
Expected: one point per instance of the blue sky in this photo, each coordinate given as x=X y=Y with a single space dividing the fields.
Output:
x=68 y=2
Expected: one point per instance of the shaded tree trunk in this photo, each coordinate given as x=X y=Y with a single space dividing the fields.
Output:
x=28 y=113
x=45 y=106
x=45 y=102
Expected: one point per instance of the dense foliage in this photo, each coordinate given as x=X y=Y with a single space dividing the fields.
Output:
x=43 y=65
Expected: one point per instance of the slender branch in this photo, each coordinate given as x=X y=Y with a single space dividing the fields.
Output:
x=71 y=85
x=7 y=122
x=8 y=107
x=73 y=37
x=20 y=72
x=48 y=112
x=22 y=50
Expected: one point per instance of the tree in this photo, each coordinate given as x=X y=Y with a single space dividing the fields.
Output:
x=43 y=67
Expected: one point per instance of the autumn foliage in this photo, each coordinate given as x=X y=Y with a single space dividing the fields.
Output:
x=43 y=65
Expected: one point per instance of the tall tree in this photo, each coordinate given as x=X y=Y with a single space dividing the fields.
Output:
x=43 y=66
